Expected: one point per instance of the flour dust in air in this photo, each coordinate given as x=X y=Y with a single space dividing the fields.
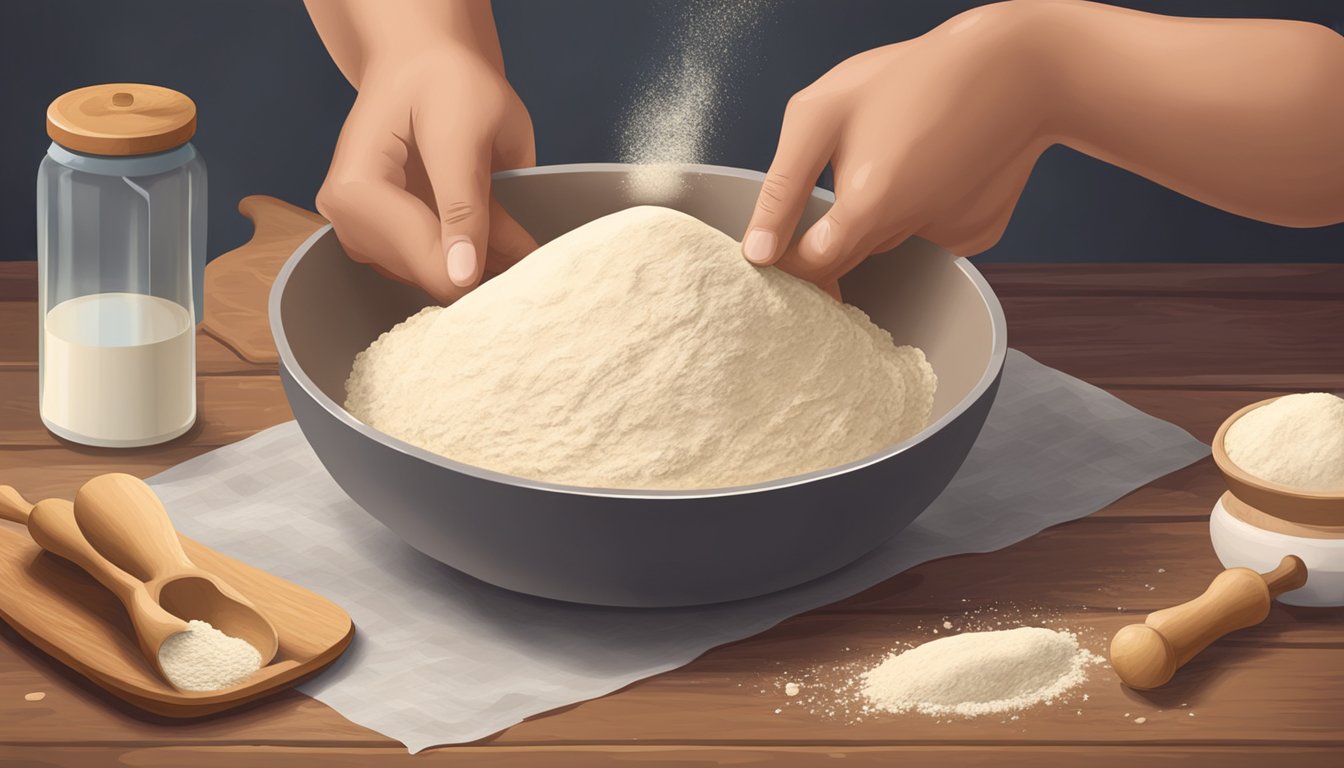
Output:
x=680 y=101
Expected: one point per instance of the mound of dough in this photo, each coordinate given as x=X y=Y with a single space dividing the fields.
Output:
x=641 y=351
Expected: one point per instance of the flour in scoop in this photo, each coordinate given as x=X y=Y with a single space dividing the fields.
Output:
x=641 y=351
x=1297 y=441
x=205 y=659
x=979 y=673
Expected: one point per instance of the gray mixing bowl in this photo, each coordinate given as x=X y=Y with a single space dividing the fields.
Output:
x=638 y=548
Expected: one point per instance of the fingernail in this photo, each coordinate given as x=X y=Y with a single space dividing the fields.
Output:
x=820 y=236
x=759 y=247
x=462 y=263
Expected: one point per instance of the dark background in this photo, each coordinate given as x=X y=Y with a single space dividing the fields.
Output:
x=271 y=104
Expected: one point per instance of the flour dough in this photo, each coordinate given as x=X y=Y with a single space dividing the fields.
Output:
x=641 y=351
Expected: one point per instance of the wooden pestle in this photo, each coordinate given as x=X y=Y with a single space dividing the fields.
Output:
x=1147 y=655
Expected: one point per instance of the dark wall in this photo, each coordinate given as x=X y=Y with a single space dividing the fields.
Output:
x=271 y=104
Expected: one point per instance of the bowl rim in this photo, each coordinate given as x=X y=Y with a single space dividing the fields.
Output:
x=997 y=356
x=1232 y=470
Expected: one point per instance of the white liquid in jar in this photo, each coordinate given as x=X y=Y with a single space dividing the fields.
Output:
x=118 y=369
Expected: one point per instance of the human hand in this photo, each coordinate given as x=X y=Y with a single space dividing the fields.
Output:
x=936 y=136
x=408 y=190
x=933 y=137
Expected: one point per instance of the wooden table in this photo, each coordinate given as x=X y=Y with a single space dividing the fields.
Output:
x=1187 y=343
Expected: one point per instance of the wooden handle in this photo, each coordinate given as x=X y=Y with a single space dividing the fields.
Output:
x=124 y=519
x=13 y=507
x=52 y=525
x=1147 y=655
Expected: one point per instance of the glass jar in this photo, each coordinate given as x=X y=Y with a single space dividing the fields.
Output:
x=121 y=214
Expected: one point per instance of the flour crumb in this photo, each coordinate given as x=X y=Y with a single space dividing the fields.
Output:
x=1140 y=720
x=205 y=659
x=791 y=689
x=947 y=625
x=35 y=696
x=641 y=351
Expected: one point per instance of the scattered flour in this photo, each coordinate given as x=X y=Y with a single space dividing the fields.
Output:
x=205 y=659
x=676 y=109
x=641 y=351
x=979 y=673
x=1297 y=441
x=834 y=687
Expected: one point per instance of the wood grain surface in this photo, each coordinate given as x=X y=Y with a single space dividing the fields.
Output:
x=1188 y=343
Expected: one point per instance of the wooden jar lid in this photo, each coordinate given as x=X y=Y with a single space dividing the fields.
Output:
x=121 y=119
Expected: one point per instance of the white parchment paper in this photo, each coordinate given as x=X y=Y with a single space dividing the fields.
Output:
x=441 y=658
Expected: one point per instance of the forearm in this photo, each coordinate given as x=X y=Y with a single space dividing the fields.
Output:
x=359 y=33
x=1246 y=115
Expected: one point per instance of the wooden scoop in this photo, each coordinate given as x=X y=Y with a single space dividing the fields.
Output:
x=52 y=525
x=119 y=533
x=124 y=520
x=1147 y=655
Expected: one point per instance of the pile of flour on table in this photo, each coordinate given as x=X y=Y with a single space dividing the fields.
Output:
x=641 y=351
x=980 y=673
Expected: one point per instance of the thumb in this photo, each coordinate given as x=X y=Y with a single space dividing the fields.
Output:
x=844 y=232
x=805 y=144
x=457 y=162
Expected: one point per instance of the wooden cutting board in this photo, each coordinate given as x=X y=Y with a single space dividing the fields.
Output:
x=238 y=283
x=64 y=612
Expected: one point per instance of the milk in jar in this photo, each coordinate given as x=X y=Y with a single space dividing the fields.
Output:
x=121 y=215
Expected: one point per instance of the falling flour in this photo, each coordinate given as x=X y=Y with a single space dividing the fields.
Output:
x=641 y=351
x=979 y=673
x=676 y=108
x=1297 y=441
x=205 y=659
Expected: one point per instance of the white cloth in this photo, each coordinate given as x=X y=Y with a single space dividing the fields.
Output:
x=441 y=658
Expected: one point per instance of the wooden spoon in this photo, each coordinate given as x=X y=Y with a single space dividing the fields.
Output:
x=52 y=525
x=124 y=520
x=1147 y=655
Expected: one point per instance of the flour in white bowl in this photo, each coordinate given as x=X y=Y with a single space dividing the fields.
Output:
x=1297 y=441
x=641 y=351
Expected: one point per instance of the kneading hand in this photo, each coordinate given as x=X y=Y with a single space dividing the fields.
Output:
x=937 y=136
x=932 y=137
x=408 y=190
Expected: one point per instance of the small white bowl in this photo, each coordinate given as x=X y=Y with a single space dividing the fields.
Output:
x=1239 y=543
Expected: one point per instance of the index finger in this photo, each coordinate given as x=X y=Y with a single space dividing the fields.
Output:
x=806 y=141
